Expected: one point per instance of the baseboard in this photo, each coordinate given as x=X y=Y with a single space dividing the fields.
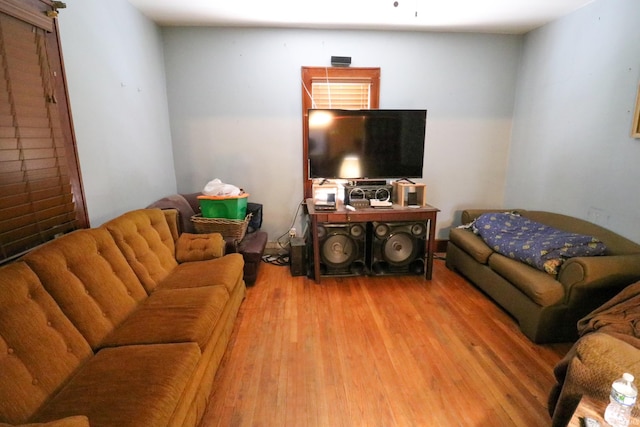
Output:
x=274 y=248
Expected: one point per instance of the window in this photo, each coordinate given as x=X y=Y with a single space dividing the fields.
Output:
x=335 y=87
x=40 y=192
x=341 y=94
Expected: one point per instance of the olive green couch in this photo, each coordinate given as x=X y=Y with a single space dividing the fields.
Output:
x=546 y=307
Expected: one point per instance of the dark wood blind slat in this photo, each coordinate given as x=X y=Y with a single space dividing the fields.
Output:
x=8 y=143
x=31 y=196
x=61 y=171
x=7 y=132
x=21 y=186
x=10 y=188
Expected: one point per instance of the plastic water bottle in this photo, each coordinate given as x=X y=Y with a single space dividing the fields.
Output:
x=622 y=400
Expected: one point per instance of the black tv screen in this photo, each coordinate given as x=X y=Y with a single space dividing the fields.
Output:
x=353 y=144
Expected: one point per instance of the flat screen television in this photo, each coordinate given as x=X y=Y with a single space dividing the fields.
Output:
x=360 y=144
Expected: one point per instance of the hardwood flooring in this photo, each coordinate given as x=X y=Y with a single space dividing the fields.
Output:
x=378 y=351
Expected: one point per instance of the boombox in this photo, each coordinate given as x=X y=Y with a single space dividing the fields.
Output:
x=380 y=192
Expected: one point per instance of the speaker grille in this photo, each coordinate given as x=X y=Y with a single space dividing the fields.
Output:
x=338 y=250
x=399 y=249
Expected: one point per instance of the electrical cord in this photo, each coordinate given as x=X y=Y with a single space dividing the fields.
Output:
x=283 y=259
x=279 y=260
x=286 y=244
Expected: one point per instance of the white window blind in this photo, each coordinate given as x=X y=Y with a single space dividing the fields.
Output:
x=347 y=95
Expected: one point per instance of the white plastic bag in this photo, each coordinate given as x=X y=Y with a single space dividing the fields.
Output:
x=219 y=188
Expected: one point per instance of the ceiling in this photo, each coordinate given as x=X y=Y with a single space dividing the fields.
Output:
x=487 y=16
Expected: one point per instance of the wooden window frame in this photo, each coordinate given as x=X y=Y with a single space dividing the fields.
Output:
x=41 y=15
x=311 y=74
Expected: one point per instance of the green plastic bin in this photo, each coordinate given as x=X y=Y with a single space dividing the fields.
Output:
x=230 y=207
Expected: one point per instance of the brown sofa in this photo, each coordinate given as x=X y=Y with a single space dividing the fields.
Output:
x=608 y=347
x=546 y=307
x=121 y=325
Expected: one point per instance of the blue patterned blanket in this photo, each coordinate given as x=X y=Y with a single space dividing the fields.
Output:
x=536 y=244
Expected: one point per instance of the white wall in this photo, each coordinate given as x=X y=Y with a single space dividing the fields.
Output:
x=115 y=71
x=571 y=150
x=235 y=108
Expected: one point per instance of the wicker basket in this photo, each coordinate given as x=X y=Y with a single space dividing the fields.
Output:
x=235 y=228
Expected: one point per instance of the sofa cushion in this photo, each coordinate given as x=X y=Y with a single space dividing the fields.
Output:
x=226 y=271
x=90 y=279
x=199 y=247
x=471 y=243
x=145 y=239
x=129 y=386
x=39 y=347
x=541 y=287
x=174 y=315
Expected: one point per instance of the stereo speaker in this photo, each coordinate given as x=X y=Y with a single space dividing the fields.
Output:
x=340 y=61
x=367 y=192
x=398 y=248
x=298 y=257
x=342 y=249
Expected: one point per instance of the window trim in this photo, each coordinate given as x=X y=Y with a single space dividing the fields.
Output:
x=341 y=74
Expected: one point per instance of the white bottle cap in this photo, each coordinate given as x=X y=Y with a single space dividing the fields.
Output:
x=628 y=377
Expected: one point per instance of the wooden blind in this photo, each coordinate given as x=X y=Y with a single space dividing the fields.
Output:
x=36 y=197
x=346 y=95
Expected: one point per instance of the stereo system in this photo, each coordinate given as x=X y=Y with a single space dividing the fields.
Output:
x=354 y=194
x=375 y=248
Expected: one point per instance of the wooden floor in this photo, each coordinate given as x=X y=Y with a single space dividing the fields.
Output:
x=378 y=351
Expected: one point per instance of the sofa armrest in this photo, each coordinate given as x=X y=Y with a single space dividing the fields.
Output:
x=172 y=216
x=609 y=271
x=590 y=281
x=595 y=361
x=199 y=247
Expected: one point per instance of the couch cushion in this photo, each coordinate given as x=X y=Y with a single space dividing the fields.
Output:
x=541 y=287
x=39 y=347
x=471 y=244
x=145 y=238
x=199 y=247
x=226 y=271
x=90 y=279
x=129 y=386
x=174 y=315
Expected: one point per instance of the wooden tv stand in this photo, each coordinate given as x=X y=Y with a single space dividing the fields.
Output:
x=396 y=213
